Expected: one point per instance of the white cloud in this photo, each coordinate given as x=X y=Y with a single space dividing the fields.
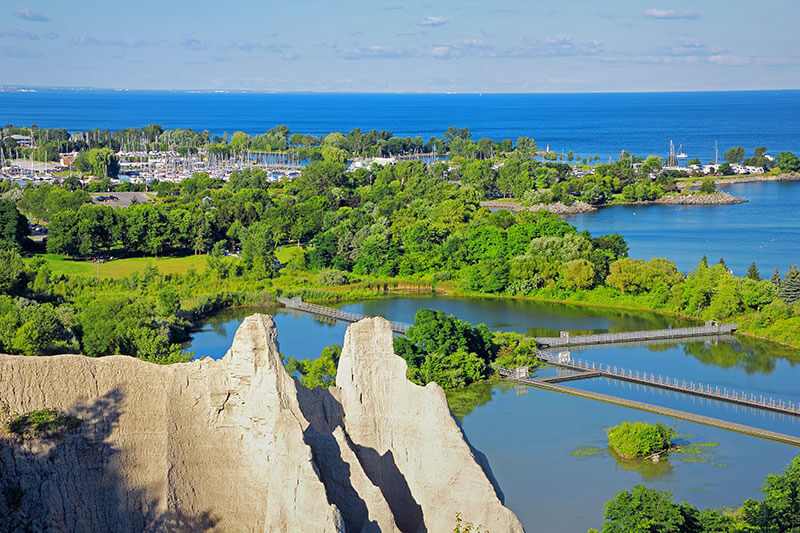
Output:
x=87 y=40
x=379 y=52
x=729 y=60
x=669 y=14
x=432 y=21
x=16 y=33
x=30 y=15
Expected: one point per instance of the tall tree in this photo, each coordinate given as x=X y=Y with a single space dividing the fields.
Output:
x=753 y=273
x=734 y=155
x=790 y=288
x=775 y=279
x=13 y=226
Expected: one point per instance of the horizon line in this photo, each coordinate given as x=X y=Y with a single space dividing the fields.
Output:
x=6 y=88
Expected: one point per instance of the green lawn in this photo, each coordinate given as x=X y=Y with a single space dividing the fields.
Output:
x=120 y=268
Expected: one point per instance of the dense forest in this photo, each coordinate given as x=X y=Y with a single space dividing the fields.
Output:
x=405 y=221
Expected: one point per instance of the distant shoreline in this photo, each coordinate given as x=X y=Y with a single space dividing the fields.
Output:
x=578 y=207
x=755 y=178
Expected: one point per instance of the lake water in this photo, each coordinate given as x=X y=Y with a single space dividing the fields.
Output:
x=588 y=124
x=764 y=229
x=536 y=440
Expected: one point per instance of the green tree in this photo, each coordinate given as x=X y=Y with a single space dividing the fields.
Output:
x=240 y=141
x=319 y=372
x=643 y=510
x=258 y=250
x=734 y=155
x=638 y=439
x=104 y=162
x=13 y=226
x=578 y=274
x=594 y=194
x=752 y=272
x=788 y=162
x=780 y=509
x=12 y=272
x=708 y=186
x=790 y=288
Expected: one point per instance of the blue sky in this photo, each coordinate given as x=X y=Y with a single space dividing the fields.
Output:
x=394 y=46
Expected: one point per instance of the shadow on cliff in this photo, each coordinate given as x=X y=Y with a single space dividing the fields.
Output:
x=73 y=482
x=325 y=413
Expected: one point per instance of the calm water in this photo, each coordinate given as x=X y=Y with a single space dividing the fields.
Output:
x=530 y=436
x=532 y=318
x=529 y=439
x=764 y=229
x=589 y=124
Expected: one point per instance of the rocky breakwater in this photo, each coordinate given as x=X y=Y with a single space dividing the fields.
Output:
x=716 y=198
x=238 y=445
x=558 y=208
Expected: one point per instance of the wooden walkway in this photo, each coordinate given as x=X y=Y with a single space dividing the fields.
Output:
x=657 y=409
x=587 y=369
x=636 y=336
x=337 y=314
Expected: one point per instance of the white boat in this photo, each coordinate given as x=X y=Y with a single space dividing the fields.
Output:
x=680 y=154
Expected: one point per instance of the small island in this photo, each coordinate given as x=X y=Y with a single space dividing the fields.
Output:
x=640 y=440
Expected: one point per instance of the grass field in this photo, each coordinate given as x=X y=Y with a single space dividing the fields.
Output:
x=120 y=268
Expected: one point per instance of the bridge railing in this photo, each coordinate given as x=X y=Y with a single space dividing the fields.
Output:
x=680 y=385
x=633 y=336
x=347 y=316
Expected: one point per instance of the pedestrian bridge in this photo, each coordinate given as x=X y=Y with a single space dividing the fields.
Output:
x=565 y=340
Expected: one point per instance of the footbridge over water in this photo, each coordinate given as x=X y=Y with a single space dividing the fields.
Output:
x=554 y=384
x=336 y=314
x=709 y=329
x=565 y=340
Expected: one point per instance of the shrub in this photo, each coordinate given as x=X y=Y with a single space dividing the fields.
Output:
x=331 y=276
x=42 y=423
x=638 y=439
x=708 y=186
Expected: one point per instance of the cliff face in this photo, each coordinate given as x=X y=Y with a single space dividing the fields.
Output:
x=237 y=445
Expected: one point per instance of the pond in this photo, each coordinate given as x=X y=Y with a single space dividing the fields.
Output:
x=548 y=450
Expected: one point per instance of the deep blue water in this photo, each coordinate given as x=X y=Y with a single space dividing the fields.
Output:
x=604 y=124
x=764 y=229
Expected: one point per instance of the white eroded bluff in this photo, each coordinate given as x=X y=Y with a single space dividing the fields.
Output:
x=237 y=445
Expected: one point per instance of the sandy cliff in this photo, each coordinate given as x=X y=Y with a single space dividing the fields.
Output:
x=237 y=445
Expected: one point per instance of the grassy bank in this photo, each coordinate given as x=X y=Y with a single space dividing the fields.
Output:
x=120 y=268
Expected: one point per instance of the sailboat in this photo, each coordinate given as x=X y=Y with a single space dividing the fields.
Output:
x=680 y=154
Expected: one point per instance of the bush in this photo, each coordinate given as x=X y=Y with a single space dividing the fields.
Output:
x=638 y=439
x=331 y=276
x=533 y=197
x=708 y=186
x=42 y=423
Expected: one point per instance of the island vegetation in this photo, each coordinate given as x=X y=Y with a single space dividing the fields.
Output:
x=637 y=439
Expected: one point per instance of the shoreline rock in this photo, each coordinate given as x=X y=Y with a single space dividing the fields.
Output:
x=558 y=208
x=236 y=444
x=716 y=198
